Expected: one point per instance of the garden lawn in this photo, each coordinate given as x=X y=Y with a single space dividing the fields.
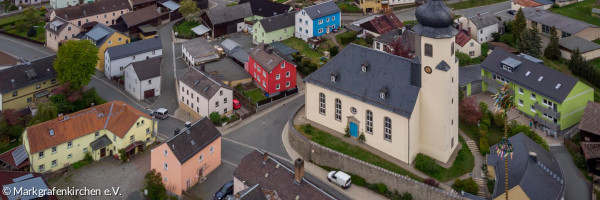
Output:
x=463 y=164
x=303 y=48
x=580 y=11
x=39 y=36
x=473 y=3
x=348 y=7
x=597 y=41
x=12 y=19
x=185 y=29
x=255 y=95
x=337 y=144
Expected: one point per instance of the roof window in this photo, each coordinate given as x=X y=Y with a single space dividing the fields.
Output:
x=540 y=79
x=557 y=86
x=528 y=72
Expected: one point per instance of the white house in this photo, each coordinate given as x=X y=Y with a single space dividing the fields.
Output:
x=202 y=93
x=481 y=26
x=317 y=20
x=198 y=51
x=393 y=3
x=142 y=78
x=466 y=44
x=118 y=57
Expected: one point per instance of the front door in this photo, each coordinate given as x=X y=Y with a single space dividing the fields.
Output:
x=102 y=152
x=353 y=129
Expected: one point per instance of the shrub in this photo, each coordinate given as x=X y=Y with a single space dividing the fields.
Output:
x=348 y=37
x=425 y=164
x=496 y=36
x=154 y=185
x=12 y=7
x=224 y=119
x=334 y=50
x=215 y=118
x=381 y=188
x=498 y=119
x=431 y=181
x=484 y=146
x=347 y=131
x=43 y=8
x=123 y=155
x=361 y=138
x=468 y=185
x=406 y=196
x=31 y=32
x=579 y=161
x=490 y=185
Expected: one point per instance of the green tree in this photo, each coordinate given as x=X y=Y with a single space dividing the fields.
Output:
x=45 y=111
x=32 y=17
x=189 y=10
x=519 y=25
x=576 y=62
x=530 y=42
x=552 y=51
x=154 y=185
x=215 y=118
x=75 y=63
x=468 y=185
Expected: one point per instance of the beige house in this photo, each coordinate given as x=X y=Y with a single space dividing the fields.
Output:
x=59 y=30
x=403 y=107
x=589 y=50
x=202 y=93
x=544 y=20
x=467 y=45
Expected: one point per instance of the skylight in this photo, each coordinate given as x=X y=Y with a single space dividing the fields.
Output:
x=557 y=86
x=540 y=79
x=51 y=132
x=528 y=72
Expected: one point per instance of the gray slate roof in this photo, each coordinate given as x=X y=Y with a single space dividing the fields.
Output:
x=42 y=68
x=528 y=174
x=100 y=142
x=199 y=47
x=148 y=68
x=284 y=49
x=278 y=21
x=322 y=10
x=99 y=34
x=228 y=45
x=389 y=37
x=484 y=20
x=192 y=140
x=562 y=23
x=385 y=70
x=227 y=14
x=546 y=87
x=203 y=83
x=267 y=60
x=468 y=74
x=573 y=42
x=134 y=48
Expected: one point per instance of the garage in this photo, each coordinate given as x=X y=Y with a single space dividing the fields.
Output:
x=149 y=93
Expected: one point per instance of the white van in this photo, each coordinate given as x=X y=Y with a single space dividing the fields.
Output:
x=161 y=113
x=340 y=178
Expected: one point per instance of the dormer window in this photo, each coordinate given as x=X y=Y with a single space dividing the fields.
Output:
x=510 y=64
x=383 y=92
x=334 y=77
x=364 y=67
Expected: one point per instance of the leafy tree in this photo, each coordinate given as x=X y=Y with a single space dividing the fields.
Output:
x=31 y=32
x=75 y=63
x=468 y=185
x=32 y=17
x=519 y=25
x=468 y=110
x=189 y=10
x=215 y=118
x=45 y=111
x=576 y=62
x=496 y=36
x=11 y=116
x=397 y=47
x=552 y=51
x=154 y=185
x=530 y=42
x=334 y=50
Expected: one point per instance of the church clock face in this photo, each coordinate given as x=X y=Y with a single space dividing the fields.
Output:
x=428 y=70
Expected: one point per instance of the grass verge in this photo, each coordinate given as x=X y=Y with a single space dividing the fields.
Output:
x=463 y=164
x=348 y=7
x=473 y=3
x=494 y=133
x=580 y=11
x=337 y=144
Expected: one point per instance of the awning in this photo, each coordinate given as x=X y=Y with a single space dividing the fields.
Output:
x=41 y=94
x=201 y=29
x=171 y=5
x=100 y=143
x=133 y=145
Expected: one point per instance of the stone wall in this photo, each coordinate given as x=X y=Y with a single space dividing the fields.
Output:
x=321 y=155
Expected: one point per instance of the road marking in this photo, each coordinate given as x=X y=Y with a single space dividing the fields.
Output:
x=501 y=11
x=251 y=147
x=16 y=41
x=228 y=162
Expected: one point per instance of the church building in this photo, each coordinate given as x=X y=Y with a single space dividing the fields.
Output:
x=403 y=107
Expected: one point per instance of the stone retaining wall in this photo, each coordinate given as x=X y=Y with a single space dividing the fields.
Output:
x=321 y=155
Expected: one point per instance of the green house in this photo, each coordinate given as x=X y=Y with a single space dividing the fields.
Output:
x=555 y=101
x=274 y=29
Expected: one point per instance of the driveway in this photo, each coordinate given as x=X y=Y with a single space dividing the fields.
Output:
x=577 y=186
x=110 y=174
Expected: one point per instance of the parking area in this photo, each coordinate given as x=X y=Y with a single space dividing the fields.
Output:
x=213 y=182
x=111 y=174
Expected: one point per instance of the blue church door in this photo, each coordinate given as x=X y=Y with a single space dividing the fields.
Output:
x=353 y=129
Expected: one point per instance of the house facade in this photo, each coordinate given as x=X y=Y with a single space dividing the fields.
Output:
x=481 y=26
x=467 y=45
x=99 y=131
x=271 y=70
x=544 y=20
x=189 y=156
x=103 y=12
x=274 y=29
x=555 y=101
x=116 y=58
x=27 y=83
x=589 y=127
x=589 y=50
x=57 y=4
x=104 y=37
x=371 y=6
x=226 y=20
x=59 y=30
x=317 y=20
x=202 y=93
x=143 y=78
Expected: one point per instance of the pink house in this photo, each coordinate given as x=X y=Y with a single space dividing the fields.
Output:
x=189 y=156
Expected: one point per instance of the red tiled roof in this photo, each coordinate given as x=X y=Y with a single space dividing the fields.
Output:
x=462 y=38
x=528 y=3
x=115 y=116
x=9 y=159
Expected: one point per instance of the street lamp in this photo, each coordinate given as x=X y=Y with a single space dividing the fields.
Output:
x=503 y=103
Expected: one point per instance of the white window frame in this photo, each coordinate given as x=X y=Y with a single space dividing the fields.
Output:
x=387 y=129
x=165 y=166
x=201 y=158
x=277 y=86
x=287 y=74
x=338 y=109
x=165 y=153
x=533 y=96
x=287 y=84
x=520 y=102
x=322 y=103
x=369 y=119
x=277 y=76
x=212 y=149
x=520 y=90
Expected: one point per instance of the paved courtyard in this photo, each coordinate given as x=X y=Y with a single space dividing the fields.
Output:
x=110 y=174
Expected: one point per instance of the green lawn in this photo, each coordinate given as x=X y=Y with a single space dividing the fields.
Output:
x=39 y=36
x=362 y=42
x=463 y=164
x=303 y=48
x=348 y=7
x=185 y=29
x=281 y=1
x=473 y=3
x=597 y=41
x=580 y=11
x=14 y=18
x=335 y=143
x=255 y=95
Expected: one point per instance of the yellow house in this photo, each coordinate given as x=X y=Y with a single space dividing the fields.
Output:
x=370 y=6
x=100 y=131
x=104 y=37
x=26 y=83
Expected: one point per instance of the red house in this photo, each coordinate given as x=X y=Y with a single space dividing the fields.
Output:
x=271 y=69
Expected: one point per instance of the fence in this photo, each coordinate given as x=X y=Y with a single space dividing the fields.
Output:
x=245 y=101
x=571 y=146
x=277 y=97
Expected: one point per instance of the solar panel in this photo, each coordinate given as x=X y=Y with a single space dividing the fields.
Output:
x=37 y=183
x=19 y=155
x=97 y=33
x=21 y=178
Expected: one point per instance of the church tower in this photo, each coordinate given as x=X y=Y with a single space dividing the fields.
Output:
x=438 y=97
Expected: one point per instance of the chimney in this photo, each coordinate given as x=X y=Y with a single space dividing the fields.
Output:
x=265 y=157
x=60 y=117
x=188 y=123
x=202 y=68
x=533 y=156
x=537 y=10
x=298 y=170
x=176 y=131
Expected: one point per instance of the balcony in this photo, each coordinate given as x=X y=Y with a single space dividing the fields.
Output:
x=544 y=109
x=495 y=84
x=546 y=123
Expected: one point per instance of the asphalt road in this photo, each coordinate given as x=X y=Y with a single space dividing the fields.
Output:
x=576 y=185
x=23 y=49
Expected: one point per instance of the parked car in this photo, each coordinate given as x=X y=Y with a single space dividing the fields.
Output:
x=225 y=190
x=340 y=178
x=511 y=12
x=161 y=113
x=236 y=104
